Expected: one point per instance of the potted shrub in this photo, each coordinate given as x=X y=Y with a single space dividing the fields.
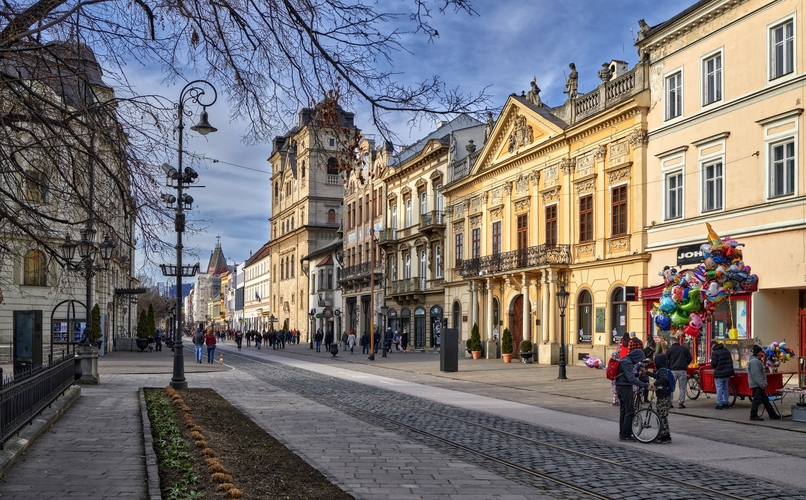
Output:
x=474 y=343
x=506 y=346
x=526 y=352
x=142 y=331
x=95 y=334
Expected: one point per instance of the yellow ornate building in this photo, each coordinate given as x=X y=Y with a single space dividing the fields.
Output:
x=556 y=195
x=414 y=238
x=307 y=196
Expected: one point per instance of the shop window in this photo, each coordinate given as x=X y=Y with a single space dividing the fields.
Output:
x=618 y=314
x=585 y=319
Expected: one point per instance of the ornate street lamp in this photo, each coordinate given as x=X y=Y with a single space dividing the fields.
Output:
x=179 y=178
x=562 y=303
x=86 y=266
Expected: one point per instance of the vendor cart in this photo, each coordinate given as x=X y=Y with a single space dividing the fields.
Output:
x=737 y=384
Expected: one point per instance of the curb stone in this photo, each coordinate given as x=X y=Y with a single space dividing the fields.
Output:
x=152 y=472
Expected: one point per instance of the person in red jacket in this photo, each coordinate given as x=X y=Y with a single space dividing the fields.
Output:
x=209 y=341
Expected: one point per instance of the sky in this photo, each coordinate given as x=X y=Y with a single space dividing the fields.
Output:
x=504 y=47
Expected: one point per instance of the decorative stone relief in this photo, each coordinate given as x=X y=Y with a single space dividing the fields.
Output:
x=618 y=152
x=567 y=165
x=521 y=185
x=585 y=164
x=496 y=196
x=588 y=185
x=497 y=211
x=618 y=244
x=521 y=135
x=459 y=209
x=618 y=175
x=551 y=175
x=477 y=201
x=475 y=221
x=638 y=138
x=600 y=153
x=584 y=250
x=522 y=205
x=551 y=194
x=508 y=189
x=534 y=177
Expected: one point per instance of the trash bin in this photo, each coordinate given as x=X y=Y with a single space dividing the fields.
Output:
x=449 y=352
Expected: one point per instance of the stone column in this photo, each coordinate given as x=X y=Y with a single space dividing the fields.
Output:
x=544 y=321
x=474 y=304
x=552 y=306
x=89 y=365
x=527 y=303
x=489 y=320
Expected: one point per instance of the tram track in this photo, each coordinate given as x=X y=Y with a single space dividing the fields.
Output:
x=559 y=458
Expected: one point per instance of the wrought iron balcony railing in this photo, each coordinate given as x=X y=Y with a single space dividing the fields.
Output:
x=524 y=258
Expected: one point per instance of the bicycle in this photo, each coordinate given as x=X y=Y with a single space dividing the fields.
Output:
x=693 y=389
x=646 y=421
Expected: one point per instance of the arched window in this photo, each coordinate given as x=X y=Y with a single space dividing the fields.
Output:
x=585 y=319
x=332 y=166
x=618 y=314
x=408 y=266
x=34 y=269
x=331 y=216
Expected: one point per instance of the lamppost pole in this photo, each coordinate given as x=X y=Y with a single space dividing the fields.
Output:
x=192 y=92
x=562 y=302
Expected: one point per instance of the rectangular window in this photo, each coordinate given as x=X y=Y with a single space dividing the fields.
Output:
x=782 y=49
x=713 y=182
x=782 y=171
x=408 y=212
x=674 y=195
x=586 y=218
x=476 y=243
x=674 y=95
x=551 y=225
x=497 y=237
x=712 y=81
x=523 y=231
x=619 y=211
x=34 y=186
x=458 y=255
x=438 y=265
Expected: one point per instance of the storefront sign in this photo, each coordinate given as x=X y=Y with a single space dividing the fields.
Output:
x=689 y=254
x=327 y=313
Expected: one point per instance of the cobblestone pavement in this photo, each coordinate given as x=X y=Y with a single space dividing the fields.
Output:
x=371 y=458
x=559 y=455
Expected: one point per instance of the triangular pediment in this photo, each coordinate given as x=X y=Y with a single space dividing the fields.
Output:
x=520 y=127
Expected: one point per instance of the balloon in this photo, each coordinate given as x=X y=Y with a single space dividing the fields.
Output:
x=667 y=305
x=691 y=330
x=696 y=321
x=680 y=318
x=663 y=322
x=693 y=303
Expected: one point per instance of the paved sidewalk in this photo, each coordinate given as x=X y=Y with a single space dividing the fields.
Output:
x=76 y=459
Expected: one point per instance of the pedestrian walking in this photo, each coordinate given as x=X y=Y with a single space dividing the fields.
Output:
x=158 y=342
x=318 y=339
x=625 y=380
x=328 y=340
x=404 y=340
x=210 y=341
x=198 y=343
x=258 y=338
x=722 y=363
x=622 y=352
x=679 y=359
x=664 y=397
x=351 y=341
x=344 y=339
x=757 y=380
x=239 y=338
x=365 y=343
x=249 y=338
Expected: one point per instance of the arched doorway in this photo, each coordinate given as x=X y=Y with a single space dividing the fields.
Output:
x=618 y=315
x=391 y=319
x=585 y=317
x=516 y=324
x=457 y=317
x=405 y=320
x=419 y=328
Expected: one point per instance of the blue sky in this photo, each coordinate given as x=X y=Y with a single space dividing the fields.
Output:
x=507 y=44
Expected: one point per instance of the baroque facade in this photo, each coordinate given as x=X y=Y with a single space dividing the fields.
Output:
x=307 y=197
x=555 y=196
x=414 y=239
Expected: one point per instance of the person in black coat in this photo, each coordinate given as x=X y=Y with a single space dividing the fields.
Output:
x=664 y=402
x=625 y=380
x=679 y=359
x=328 y=340
x=722 y=363
x=404 y=340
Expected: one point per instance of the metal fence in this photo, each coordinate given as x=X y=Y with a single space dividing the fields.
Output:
x=27 y=394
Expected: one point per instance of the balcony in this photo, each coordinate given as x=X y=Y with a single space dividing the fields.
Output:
x=415 y=286
x=526 y=258
x=432 y=221
x=359 y=271
x=325 y=298
x=387 y=237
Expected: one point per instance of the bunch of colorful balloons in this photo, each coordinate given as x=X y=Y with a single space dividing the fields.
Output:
x=691 y=296
x=777 y=353
x=592 y=362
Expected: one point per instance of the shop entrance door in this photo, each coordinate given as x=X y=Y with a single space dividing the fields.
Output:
x=803 y=333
